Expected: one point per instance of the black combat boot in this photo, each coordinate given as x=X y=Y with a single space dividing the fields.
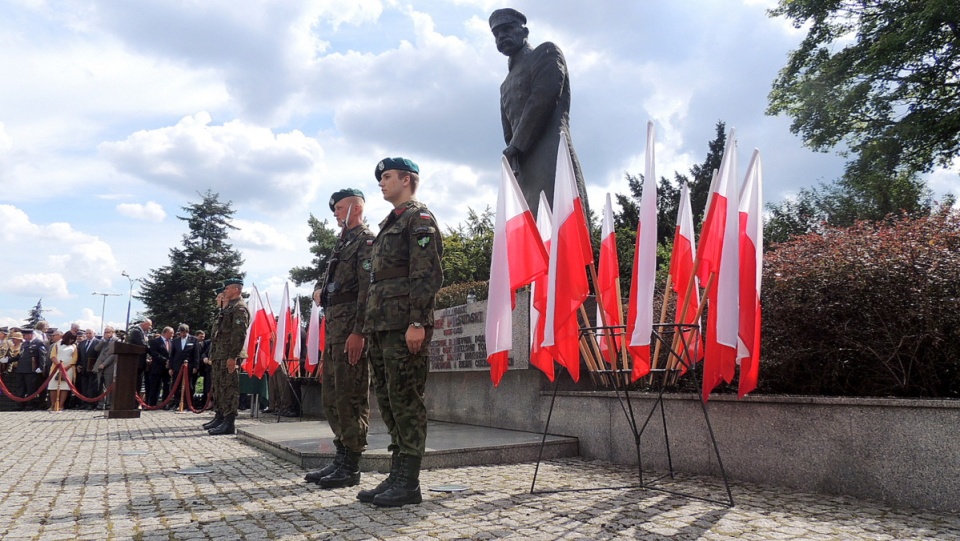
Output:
x=226 y=427
x=406 y=488
x=347 y=474
x=217 y=419
x=366 y=496
x=316 y=476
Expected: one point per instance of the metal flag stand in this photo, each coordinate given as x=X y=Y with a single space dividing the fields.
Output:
x=666 y=334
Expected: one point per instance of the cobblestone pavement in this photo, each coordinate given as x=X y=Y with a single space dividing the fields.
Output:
x=64 y=477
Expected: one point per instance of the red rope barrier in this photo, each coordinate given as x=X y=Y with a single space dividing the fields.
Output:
x=170 y=395
x=76 y=392
x=40 y=390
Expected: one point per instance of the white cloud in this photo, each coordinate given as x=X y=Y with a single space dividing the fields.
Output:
x=261 y=236
x=243 y=162
x=150 y=211
x=44 y=285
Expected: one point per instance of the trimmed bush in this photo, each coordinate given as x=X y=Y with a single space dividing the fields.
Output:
x=456 y=294
x=868 y=310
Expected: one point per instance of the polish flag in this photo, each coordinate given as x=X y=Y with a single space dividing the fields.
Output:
x=518 y=259
x=293 y=362
x=313 y=337
x=567 y=285
x=283 y=326
x=539 y=356
x=751 y=271
x=258 y=336
x=640 y=309
x=608 y=287
x=719 y=254
x=681 y=274
x=267 y=363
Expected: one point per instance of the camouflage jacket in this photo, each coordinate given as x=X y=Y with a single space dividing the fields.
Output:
x=406 y=272
x=230 y=331
x=348 y=285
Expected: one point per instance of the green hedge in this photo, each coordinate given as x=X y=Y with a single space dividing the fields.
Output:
x=869 y=310
x=456 y=294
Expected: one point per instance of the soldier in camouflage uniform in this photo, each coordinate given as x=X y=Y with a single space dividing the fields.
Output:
x=226 y=350
x=346 y=373
x=405 y=277
x=208 y=379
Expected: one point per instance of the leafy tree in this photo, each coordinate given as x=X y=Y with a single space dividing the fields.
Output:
x=846 y=201
x=468 y=248
x=183 y=291
x=881 y=77
x=323 y=240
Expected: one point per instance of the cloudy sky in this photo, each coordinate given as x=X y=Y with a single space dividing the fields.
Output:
x=114 y=114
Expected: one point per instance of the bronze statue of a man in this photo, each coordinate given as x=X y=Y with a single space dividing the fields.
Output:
x=534 y=107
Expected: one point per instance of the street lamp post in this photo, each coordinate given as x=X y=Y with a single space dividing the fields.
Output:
x=129 y=297
x=104 y=307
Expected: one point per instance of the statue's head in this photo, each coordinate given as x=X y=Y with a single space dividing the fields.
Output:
x=509 y=30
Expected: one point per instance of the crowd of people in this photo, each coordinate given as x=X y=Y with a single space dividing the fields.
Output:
x=29 y=355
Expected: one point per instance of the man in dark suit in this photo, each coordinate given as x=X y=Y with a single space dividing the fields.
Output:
x=29 y=367
x=203 y=369
x=137 y=335
x=185 y=350
x=86 y=376
x=160 y=349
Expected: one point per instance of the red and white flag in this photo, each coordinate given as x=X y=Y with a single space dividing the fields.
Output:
x=518 y=259
x=313 y=337
x=609 y=312
x=570 y=253
x=681 y=274
x=640 y=310
x=293 y=362
x=719 y=255
x=751 y=271
x=283 y=327
x=258 y=335
x=539 y=356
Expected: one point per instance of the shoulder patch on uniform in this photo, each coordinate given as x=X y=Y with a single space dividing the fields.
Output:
x=426 y=216
x=423 y=229
x=423 y=241
x=366 y=265
x=369 y=242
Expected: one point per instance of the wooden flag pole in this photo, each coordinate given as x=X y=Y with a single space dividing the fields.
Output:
x=611 y=343
x=663 y=318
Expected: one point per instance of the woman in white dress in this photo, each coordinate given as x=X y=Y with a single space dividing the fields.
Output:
x=64 y=353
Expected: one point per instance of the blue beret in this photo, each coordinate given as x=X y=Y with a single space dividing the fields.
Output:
x=232 y=282
x=400 y=164
x=343 y=194
x=506 y=16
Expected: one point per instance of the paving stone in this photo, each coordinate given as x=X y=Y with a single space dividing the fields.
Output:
x=92 y=492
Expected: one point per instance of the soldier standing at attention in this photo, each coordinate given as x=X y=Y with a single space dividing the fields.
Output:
x=405 y=277
x=226 y=350
x=208 y=365
x=346 y=374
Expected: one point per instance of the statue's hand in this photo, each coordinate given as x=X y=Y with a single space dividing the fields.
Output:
x=512 y=154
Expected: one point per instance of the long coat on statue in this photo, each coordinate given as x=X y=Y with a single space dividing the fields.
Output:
x=534 y=108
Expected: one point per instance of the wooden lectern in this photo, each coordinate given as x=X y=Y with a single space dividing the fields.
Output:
x=124 y=402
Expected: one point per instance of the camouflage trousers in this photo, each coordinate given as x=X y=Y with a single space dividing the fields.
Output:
x=226 y=387
x=399 y=380
x=345 y=397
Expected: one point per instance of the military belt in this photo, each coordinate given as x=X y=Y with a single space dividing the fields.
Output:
x=386 y=274
x=342 y=298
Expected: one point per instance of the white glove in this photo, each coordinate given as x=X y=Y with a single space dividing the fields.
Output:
x=39 y=370
x=5 y=360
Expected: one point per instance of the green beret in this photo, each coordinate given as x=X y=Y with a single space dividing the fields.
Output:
x=343 y=194
x=506 y=16
x=232 y=282
x=400 y=164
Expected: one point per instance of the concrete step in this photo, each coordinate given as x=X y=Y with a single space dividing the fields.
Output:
x=309 y=444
